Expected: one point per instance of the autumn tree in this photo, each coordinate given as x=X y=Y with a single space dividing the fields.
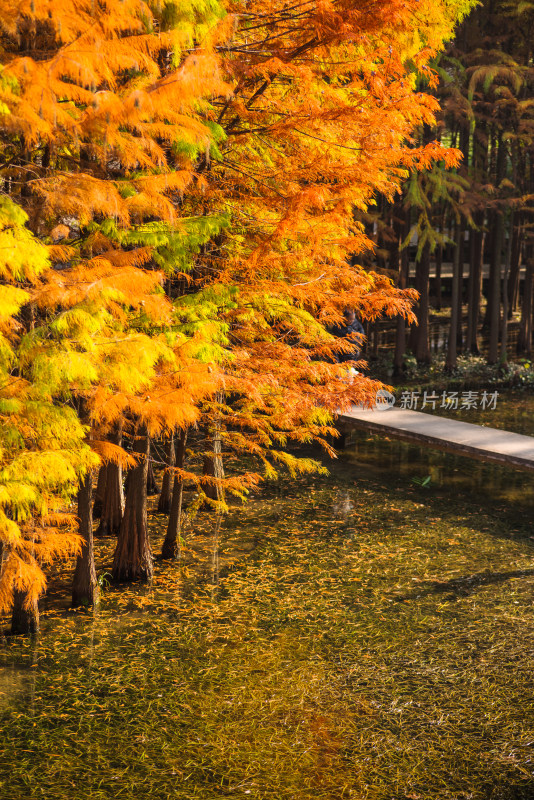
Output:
x=321 y=115
x=43 y=451
x=484 y=88
x=200 y=166
x=118 y=98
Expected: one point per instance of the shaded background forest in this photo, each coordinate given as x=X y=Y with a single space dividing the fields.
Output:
x=464 y=238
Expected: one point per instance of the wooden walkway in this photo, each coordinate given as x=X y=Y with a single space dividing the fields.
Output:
x=462 y=438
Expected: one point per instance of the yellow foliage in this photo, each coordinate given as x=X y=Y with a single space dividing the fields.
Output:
x=233 y=152
x=110 y=453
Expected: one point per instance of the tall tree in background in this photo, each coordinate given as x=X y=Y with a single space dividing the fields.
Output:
x=485 y=89
x=488 y=107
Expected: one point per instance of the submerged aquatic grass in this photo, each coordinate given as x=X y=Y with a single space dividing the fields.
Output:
x=364 y=638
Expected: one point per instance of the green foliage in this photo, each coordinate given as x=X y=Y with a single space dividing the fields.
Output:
x=104 y=580
x=42 y=442
x=488 y=75
x=177 y=250
x=193 y=19
x=424 y=483
x=22 y=255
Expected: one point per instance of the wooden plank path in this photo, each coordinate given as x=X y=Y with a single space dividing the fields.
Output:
x=452 y=435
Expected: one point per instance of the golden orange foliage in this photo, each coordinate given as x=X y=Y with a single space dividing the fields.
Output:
x=193 y=169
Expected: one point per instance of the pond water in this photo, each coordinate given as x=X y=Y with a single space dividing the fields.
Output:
x=353 y=635
x=491 y=483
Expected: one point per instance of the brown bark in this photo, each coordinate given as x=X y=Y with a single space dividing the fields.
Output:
x=505 y=294
x=475 y=285
x=465 y=142
x=493 y=311
x=460 y=303
x=400 y=347
x=419 y=339
x=524 y=342
x=213 y=461
x=151 y=485
x=171 y=543
x=452 y=348
x=24 y=620
x=100 y=491
x=439 y=264
x=396 y=221
x=113 y=495
x=478 y=174
x=213 y=467
x=84 y=585
x=494 y=292
x=165 y=498
x=515 y=266
x=113 y=502
x=373 y=336
x=404 y=275
x=132 y=559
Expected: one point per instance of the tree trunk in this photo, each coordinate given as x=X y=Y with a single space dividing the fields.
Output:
x=113 y=502
x=404 y=276
x=494 y=293
x=171 y=543
x=400 y=347
x=515 y=265
x=100 y=491
x=24 y=620
x=151 y=485
x=165 y=498
x=213 y=468
x=505 y=296
x=493 y=312
x=452 y=349
x=113 y=497
x=133 y=555
x=84 y=586
x=213 y=462
x=439 y=264
x=460 y=303
x=422 y=345
x=465 y=147
x=524 y=342
x=477 y=174
x=475 y=285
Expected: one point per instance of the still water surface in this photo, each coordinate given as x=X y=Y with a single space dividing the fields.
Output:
x=355 y=635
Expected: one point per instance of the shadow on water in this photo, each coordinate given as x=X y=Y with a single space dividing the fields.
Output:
x=467 y=585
